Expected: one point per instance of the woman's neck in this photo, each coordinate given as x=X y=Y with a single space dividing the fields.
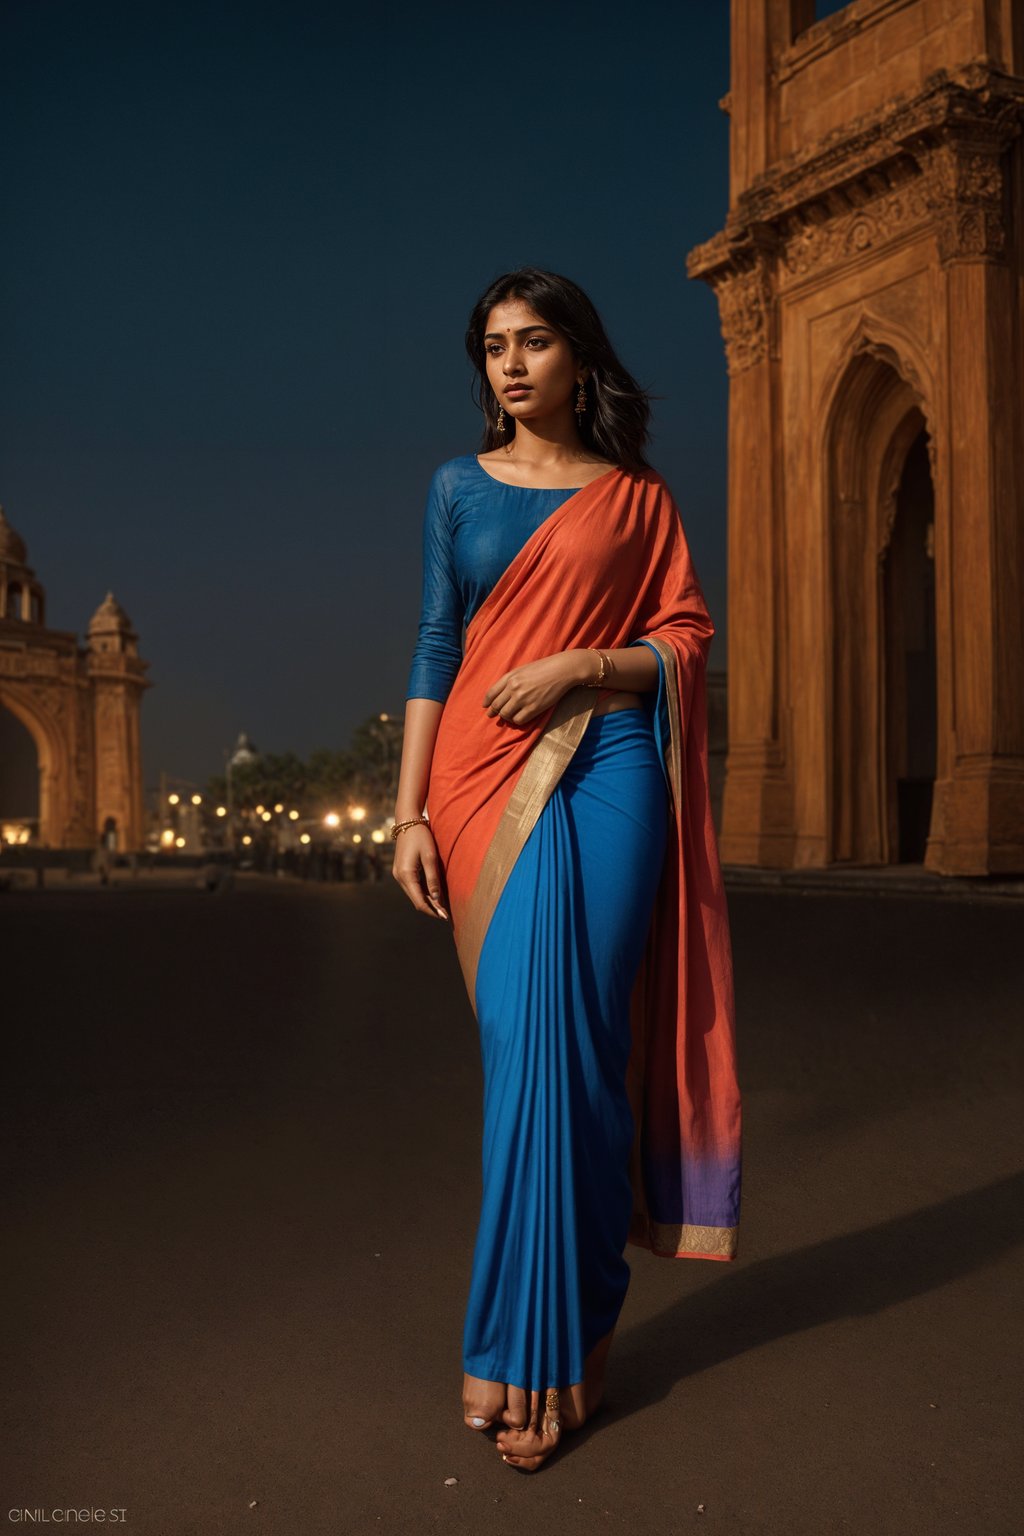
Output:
x=546 y=445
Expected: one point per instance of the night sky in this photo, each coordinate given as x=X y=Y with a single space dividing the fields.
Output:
x=241 y=243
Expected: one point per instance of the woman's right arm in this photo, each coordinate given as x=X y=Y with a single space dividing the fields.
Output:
x=435 y=665
x=417 y=867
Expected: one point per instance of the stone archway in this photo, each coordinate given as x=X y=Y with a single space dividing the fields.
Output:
x=54 y=759
x=878 y=492
x=19 y=775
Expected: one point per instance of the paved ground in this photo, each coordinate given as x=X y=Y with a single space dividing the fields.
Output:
x=242 y=1167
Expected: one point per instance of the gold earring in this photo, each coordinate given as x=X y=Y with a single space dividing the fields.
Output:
x=581 y=404
x=501 y=430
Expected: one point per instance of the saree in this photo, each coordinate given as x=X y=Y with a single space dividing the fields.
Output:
x=607 y=1119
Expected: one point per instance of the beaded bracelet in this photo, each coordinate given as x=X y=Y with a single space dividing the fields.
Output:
x=414 y=821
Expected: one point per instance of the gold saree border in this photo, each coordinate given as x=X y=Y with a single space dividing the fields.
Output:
x=682 y=1240
x=675 y=753
x=543 y=769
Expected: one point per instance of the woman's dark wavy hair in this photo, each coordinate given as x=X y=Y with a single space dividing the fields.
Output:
x=616 y=423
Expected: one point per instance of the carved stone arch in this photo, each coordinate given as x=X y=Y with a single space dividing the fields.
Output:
x=875 y=336
x=877 y=403
x=54 y=750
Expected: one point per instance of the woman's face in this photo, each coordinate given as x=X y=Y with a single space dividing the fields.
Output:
x=530 y=365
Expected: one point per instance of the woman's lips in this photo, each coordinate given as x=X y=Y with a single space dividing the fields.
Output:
x=518 y=390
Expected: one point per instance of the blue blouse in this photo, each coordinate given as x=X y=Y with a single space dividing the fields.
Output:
x=473 y=528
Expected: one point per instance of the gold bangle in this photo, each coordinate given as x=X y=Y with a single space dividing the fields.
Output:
x=599 y=679
x=414 y=821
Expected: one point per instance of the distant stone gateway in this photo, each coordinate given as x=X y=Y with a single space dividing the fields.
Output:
x=79 y=705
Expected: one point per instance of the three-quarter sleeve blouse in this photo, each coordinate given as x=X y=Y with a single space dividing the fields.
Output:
x=473 y=528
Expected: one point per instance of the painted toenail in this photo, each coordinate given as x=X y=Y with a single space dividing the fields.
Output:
x=478 y=1422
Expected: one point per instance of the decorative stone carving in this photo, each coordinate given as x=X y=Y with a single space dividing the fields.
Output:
x=930 y=160
x=744 y=300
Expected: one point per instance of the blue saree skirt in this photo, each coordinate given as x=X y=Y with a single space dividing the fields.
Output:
x=553 y=986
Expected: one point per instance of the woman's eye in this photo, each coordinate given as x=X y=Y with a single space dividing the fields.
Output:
x=539 y=340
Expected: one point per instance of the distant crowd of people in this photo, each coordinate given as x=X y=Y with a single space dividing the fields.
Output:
x=322 y=862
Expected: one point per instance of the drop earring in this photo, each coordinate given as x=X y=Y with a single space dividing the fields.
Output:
x=581 y=404
x=501 y=429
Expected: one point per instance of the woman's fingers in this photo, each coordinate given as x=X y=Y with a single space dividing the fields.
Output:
x=498 y=687
x=432 y=875
x=413 y=870
x=500 y=701
x=517 y=703
x=412 y=888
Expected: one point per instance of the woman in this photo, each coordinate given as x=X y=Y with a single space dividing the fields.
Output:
x=560 y=748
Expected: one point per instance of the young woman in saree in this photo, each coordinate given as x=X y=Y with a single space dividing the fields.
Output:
x=553 y=807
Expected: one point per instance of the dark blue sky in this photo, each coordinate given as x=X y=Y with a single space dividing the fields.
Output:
x=240 y=246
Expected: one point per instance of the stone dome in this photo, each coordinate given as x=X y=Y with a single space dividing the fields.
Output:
x=12 y=546
x=109 y=616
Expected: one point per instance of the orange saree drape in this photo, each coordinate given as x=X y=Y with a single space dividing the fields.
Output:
x=611 y=567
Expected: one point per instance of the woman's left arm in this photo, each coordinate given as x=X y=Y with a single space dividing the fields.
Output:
x=634 y=668
x=522 y=694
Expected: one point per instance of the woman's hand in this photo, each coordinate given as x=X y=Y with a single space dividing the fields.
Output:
x=417 y=869
x=525 y=692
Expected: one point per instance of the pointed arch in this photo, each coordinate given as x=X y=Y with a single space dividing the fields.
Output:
x=876 y=403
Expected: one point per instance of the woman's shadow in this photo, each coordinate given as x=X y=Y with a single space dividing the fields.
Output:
x=853 y=1275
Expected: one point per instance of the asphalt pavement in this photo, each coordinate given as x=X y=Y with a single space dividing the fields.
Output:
x=242 y=1171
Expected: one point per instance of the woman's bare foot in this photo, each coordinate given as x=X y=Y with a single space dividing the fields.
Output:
x=529 y=1447
x=482 y=1401
x=532 y=1435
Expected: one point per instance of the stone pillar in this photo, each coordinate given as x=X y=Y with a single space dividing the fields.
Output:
x=757 y=813
x=978 y=827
